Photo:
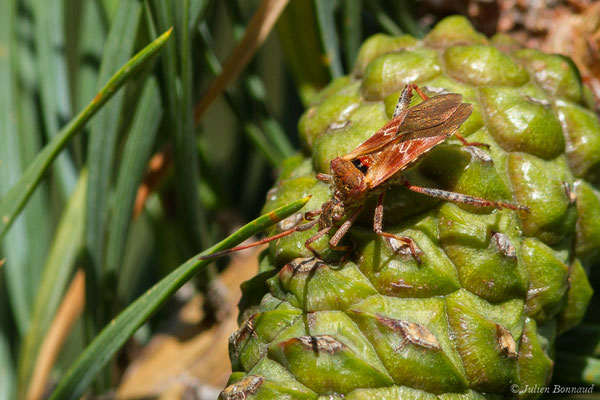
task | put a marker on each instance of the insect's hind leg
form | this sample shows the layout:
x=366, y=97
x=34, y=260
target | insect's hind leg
x=405, y=96
x=463, y=198
x=467, y=143
x=415, y=251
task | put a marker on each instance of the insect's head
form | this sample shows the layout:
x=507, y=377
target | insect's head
x=348, y=180
x=332, y=211
x=338, y=210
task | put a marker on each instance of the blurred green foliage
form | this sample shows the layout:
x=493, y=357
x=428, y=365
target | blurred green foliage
x=71, y=162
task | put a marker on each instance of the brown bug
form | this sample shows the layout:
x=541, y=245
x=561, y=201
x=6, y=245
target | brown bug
x=372, y=166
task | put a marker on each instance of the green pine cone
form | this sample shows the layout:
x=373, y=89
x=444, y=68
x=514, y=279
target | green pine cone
x=478, y=317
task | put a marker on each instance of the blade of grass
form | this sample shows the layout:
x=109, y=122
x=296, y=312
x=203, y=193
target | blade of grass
x=13, y=201
x=116, y=333
x=257, y=137
x=251, y=129
x=104, y=132
x=138, y=255
x=26, y=53
x=110, y=8
x=251, y=195
x=254, y=93
x=305, y=57
x=238, y=23
x=257, y=31
x=85, y=41
x=67, y=242
x=20, y=286
x=67, y=314
x=136, y=154
x=406, y=18
x=7, y=386
x=54, y=90
x=352, y=29
x=166, y=233
x=149, y=19
x=385, y=22
x=273, y=129
x=37, y=212
x=277, y=135
x=91, y=42
x=197, y=12
x=186, y=156
x=261, y=24
x=325, y=12
x=7, y=345
x=156, y=172
x=179, y=106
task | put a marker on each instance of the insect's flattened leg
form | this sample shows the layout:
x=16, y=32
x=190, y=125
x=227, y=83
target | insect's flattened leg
x=342, y=230
x=315, y=237
x=463, y=198
x=467, y=143
x=324, y=177
x=404, y=99
x=378, y=228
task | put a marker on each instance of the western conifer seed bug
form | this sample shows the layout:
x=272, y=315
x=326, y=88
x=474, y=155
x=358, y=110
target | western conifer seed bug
x=379, y=161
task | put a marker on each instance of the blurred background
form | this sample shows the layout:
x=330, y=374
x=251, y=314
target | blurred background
x=178, y=159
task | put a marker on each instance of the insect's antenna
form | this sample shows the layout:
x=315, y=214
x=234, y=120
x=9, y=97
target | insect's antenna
x=296, y=228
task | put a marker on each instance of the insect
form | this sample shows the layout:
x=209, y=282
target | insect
x=379, y=161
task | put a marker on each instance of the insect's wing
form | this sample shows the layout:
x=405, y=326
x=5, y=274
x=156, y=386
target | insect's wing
x=398, y=157
x=429, y=113
x=411, y=147
x=388, y=163
x=379, y=140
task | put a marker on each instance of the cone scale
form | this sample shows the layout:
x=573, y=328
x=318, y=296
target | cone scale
x=478, y=316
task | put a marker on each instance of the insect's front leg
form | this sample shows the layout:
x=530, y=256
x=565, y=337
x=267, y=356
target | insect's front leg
x=315, y=237
x=343, y=229
x=341, y=232
x=311, y=215
x=324, y=177
x=415, y=251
